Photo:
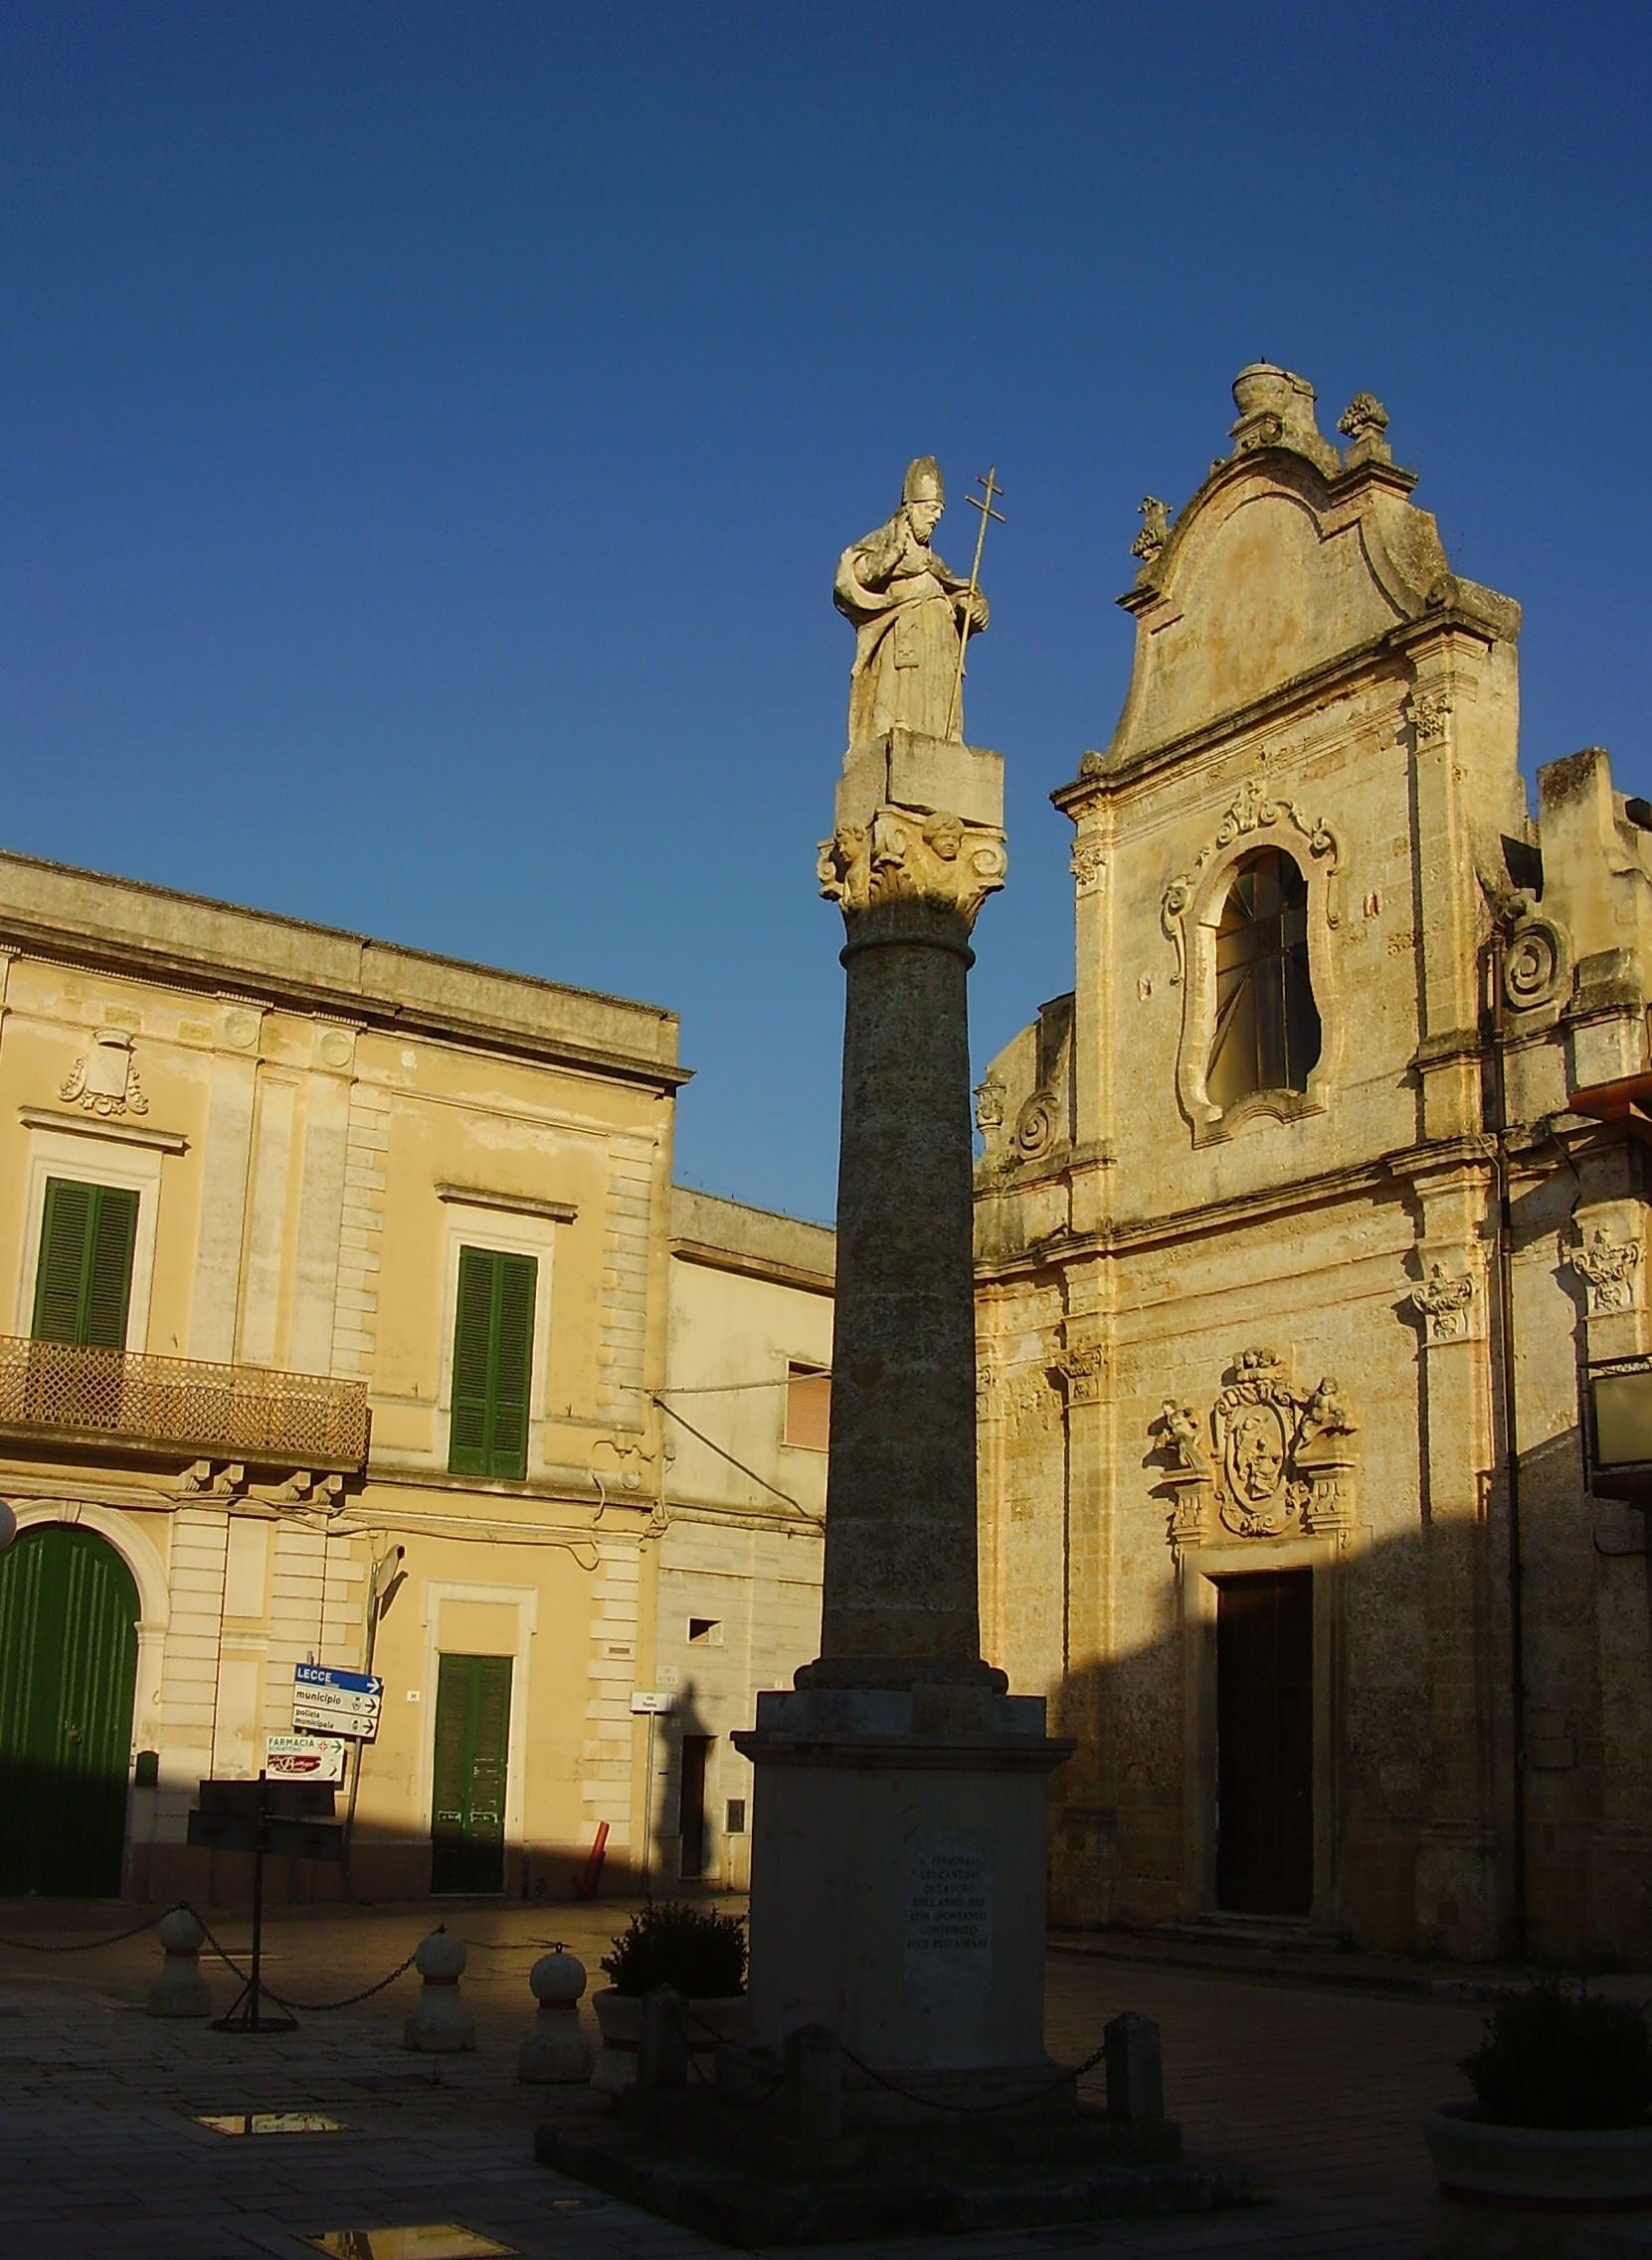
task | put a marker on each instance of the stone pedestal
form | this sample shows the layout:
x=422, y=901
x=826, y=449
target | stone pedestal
x=898, y=1876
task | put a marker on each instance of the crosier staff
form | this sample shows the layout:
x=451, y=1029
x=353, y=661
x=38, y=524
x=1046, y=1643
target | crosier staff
x=984, y=504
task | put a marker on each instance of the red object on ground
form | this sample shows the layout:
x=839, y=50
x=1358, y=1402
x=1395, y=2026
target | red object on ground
x=586, y=1883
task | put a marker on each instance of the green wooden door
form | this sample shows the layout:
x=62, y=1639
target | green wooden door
x=472, y=1738
x=67, y=1668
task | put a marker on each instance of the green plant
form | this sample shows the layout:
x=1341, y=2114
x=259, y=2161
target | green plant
x=1558, y=2059
x=700, y=1952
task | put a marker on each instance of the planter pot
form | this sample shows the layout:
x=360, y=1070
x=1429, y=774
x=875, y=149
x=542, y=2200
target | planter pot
x=1533, y=2193
x=620, y=2021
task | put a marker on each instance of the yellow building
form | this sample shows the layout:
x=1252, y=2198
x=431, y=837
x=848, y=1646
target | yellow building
x=338, y=1335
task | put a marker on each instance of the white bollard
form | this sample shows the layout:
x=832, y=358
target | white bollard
x=180, y=1989
x=439, y=2025
x=556, y=2050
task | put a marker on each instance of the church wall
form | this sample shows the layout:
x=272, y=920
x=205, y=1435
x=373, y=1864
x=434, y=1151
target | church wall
x=1280, y=1321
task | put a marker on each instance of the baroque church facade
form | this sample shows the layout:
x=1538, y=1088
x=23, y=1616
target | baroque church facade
x=1305, y=1224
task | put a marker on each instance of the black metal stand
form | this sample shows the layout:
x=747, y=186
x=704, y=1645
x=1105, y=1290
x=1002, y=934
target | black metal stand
x=249, y=2013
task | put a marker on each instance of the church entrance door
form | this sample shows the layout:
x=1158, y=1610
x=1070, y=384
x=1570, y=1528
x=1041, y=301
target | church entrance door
x=1265, y=1742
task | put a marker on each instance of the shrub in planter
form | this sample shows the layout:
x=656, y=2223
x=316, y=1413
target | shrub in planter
x=700, y=1952
x=1557, y=2059
x=1557, y=2146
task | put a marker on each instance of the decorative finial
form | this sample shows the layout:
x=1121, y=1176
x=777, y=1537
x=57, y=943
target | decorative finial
x=1155, y=531
x=1364, y=422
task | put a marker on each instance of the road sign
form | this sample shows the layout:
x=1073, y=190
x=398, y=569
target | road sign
x=325, y=1701
x=643, y=1701
x=303, y=1757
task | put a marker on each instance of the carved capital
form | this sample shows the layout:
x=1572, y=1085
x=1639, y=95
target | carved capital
x=1086, y=865
x=1443, y=1302
x=903, y=856
x=1608, y=1269
x=1430, y=715
x=1081, y=1368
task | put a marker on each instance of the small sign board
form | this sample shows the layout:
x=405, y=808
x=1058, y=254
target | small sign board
x=303, y=1757
x=330, y=1702
x=643, y=1701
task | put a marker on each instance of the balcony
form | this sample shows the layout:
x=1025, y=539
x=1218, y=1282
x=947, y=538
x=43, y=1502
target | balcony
x=56, y=1391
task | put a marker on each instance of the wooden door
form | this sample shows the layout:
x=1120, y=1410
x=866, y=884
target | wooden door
x=1265, y=1742
x=67, y=1671
x=468, y=1807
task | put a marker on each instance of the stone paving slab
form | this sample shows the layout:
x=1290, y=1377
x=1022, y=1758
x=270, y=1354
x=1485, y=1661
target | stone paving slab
x=1316, y=2090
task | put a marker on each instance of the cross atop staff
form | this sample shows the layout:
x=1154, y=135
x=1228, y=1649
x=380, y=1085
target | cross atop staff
x=982, y=502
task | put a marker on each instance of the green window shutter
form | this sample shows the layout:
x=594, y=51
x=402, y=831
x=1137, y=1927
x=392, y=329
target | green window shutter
x=83, y=1282
x=512, y=1363
x=493, y=1364
x=473, y=1331
x=108, y=1290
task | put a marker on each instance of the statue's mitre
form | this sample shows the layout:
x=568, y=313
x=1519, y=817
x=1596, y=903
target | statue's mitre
x=923, y=481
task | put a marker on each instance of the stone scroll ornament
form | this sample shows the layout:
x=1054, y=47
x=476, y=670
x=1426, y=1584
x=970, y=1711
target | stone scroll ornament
x=1608, y=1269
x=1270, y=1459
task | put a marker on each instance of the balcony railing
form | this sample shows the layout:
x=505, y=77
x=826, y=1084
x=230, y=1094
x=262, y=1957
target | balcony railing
x=243, y=1412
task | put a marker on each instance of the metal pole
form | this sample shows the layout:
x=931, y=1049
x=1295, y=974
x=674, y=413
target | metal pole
x=1511, y=1449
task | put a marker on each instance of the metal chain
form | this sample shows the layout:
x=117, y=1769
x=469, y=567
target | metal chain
x=310, y=2009
x=88, y=1945
x=930, y=2102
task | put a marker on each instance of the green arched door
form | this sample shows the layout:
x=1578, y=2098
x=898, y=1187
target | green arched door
x=68, y=1669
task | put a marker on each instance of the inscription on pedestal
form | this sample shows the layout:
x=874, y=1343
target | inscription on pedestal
x=949, y=1918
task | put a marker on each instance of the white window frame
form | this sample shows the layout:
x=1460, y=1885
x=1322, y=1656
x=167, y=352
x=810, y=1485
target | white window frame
x=100, y=1160
x=503, y=1232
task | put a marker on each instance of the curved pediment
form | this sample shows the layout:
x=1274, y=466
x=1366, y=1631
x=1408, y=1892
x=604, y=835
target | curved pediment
x=1288, y=558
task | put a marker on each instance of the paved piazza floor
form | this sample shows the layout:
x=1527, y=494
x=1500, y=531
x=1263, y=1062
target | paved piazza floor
x=1312, y=2082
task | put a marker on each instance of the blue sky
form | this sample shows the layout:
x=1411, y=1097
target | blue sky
x=430, y=433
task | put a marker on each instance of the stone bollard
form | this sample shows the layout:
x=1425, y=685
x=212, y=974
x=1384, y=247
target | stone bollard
x=1135, y=2069
x=180, y=1989
x=556, y=2050
x=814, y=2083
x=663, y=2041
x=439, y=2025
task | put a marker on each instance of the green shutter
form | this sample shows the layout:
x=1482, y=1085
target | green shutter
x=467, y=1441
x=493, y=1364
x=83, y=1283
x=512, y=1363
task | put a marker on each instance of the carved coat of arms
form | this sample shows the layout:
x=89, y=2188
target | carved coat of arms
x=1277, y=1457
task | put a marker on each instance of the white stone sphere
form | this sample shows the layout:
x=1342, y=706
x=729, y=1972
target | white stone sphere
x=181, y=1933
x=441, y=1959
x=557, y=1980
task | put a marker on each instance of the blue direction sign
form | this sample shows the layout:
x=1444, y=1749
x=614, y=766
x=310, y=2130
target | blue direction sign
x=326, y=1701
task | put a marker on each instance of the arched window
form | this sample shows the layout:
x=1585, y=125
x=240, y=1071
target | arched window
x=1267, y=1026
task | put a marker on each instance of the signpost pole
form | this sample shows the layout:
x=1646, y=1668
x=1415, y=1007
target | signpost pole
x=246, y=2014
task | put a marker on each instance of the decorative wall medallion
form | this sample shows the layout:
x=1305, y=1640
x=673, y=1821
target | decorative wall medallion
x=241, y=1029
x=1253, y=810
x=1445, y=1300
x=333, y=1047
x=103, y=1080
x=1536, y=964
x=1608, y=1269
x=1087, y=862
x=1430, y=715
x=1267, y=1457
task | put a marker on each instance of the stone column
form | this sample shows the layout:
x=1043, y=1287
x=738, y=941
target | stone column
x=918, y=846
x=900, y=1792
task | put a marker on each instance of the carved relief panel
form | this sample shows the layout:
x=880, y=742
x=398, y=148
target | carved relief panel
x=1267, y=1460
